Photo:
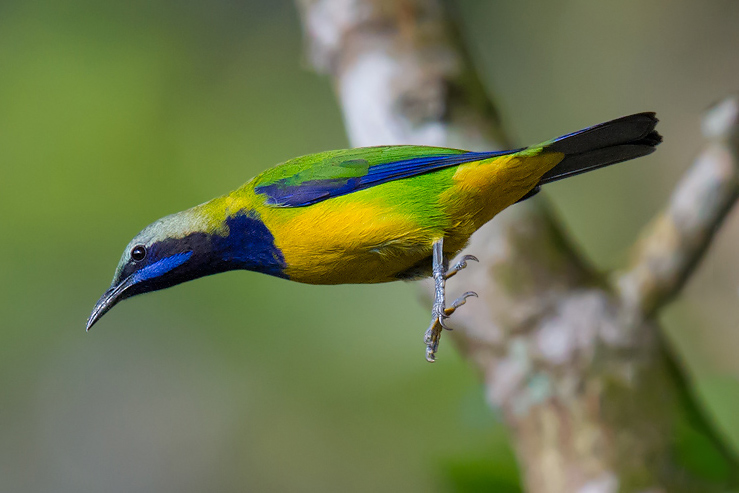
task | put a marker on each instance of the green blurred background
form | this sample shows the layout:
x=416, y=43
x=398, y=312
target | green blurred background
x=113, y=114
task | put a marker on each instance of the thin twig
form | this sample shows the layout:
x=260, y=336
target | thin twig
x=674, y=242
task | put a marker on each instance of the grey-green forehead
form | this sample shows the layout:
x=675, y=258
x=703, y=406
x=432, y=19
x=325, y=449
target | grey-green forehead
x=166, y=227
x=176, y=225
x=150, y=234
x=172, y=226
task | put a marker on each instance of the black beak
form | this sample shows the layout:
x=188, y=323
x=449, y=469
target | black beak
x=108, y=300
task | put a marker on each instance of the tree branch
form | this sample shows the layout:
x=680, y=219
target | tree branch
x=672, y=245
x=587, y=388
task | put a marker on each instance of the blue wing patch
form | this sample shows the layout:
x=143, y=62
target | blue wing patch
x=286, y=193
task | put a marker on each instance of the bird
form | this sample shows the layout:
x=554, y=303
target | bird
x=365, y=215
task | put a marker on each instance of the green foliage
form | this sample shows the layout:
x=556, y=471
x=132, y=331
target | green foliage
x=482, y=475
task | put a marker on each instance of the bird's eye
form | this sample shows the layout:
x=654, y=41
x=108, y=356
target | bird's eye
x=138, y=253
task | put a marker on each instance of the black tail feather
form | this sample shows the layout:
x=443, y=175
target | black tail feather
x=602, y=145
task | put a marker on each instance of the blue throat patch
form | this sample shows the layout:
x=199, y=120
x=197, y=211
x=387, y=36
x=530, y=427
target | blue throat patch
x=249, y=245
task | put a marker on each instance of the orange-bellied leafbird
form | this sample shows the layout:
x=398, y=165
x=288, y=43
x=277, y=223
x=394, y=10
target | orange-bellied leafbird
x=366, y=215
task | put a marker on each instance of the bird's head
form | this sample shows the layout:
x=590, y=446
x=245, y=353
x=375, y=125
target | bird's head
x=170, y=251
x=204, y=240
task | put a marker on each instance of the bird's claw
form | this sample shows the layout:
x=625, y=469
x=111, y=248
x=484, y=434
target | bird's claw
x=439, y=317
x=459, y=302
x=461, y=264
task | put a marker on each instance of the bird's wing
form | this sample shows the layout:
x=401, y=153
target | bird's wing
x=310, y=179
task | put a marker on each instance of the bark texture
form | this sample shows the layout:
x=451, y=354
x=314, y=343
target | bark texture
x=572, y=358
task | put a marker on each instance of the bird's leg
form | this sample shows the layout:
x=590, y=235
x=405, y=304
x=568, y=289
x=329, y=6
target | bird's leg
x=440, y=312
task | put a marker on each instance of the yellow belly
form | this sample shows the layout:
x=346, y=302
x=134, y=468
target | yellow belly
x=353, y=242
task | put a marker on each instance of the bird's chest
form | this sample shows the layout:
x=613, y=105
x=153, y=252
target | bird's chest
x=356, y=243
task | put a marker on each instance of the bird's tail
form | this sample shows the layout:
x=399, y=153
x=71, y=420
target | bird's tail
x=602, y=145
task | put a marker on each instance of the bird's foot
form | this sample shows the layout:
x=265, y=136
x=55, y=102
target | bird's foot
x=440, y=312
x=431, y=339
x=433, y=333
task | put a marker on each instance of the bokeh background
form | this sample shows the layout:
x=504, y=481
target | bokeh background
x=113, y=114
